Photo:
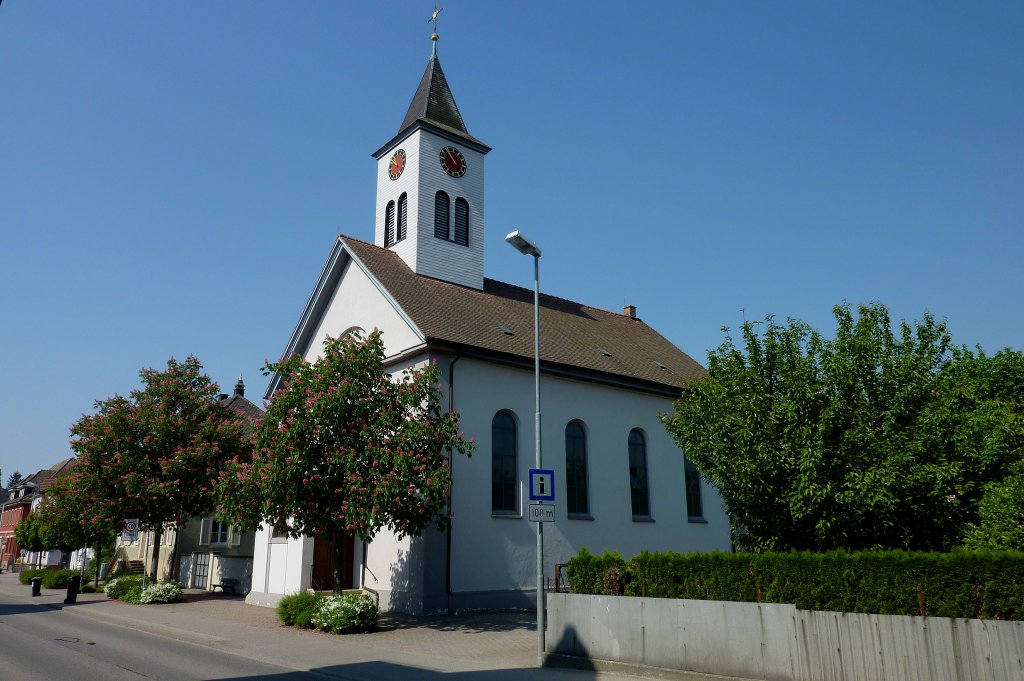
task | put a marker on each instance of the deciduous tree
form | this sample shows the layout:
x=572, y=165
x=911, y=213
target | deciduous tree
x=156, y=454
x=876, y=438
x=345, y=447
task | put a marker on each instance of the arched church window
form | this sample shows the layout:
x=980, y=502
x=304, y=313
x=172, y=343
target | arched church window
x=638, y=491
x=389, y=224
x=442, y=205
x=461, y=221
x=403, y=215
x=503, y=463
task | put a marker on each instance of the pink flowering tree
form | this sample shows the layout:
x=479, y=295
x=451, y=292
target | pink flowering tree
x=346, y=448
x=157, y=454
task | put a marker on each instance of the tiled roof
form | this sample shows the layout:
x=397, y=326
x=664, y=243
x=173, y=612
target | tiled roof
x=44, y=479
x=572, y=334
x=244, y=408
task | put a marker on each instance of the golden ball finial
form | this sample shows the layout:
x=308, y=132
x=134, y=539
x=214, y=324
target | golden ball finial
x=434, y=37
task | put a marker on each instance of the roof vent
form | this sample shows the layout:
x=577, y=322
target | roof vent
x=661, y=366
x=604, y=352
x=506, y=330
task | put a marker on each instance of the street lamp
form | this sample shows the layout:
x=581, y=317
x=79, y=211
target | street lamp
x=527, y=247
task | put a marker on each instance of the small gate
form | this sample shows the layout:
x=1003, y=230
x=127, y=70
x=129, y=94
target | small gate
x=200, y=570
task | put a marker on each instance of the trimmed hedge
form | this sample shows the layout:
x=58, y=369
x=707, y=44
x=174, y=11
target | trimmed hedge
x=53, y=578
x=971, y=584
x=58, y=579
x=25, y=576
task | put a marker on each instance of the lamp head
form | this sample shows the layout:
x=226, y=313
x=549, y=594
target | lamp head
x=522, y=244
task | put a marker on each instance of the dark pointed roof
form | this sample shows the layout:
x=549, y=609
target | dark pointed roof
x=433, y=106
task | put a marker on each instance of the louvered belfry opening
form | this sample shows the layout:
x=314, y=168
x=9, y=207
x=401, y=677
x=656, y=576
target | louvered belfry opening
x=461, y=221
x=389, y=224
x=442, y=206
x=403, y=216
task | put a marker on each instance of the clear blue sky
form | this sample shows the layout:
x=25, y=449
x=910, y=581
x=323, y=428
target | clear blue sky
x=172, y=174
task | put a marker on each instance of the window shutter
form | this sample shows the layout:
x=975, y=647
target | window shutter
x=441, y=207
x=234, y=536
x=204, y=532
x=403, y=215
x=389, y=224
x=461, y=221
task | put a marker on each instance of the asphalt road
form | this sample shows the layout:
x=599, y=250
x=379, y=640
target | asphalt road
x=38, y=643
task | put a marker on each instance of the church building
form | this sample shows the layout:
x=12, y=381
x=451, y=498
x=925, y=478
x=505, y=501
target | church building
x=621, y=483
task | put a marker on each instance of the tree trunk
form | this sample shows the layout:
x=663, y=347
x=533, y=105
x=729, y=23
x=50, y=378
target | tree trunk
x=99, y=557
x=157, y=534
x=174, y=552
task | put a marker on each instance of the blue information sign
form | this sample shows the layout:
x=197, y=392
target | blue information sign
x=542, y=484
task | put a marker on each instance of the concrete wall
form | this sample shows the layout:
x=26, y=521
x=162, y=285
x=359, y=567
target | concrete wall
x=779, y=642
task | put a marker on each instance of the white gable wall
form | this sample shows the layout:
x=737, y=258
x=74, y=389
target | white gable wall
x=357, y=302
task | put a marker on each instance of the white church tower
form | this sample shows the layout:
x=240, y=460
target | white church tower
x=430, y=187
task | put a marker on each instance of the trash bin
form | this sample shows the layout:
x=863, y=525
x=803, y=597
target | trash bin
x=74, y=584
x=37, y=584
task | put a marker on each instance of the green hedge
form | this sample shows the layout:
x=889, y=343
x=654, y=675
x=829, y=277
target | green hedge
x=973, y=584
x=53, y=578
x=25, y=576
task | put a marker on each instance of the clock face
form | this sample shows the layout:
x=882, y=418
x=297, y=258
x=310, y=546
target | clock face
x=453, y=162
x=397, y=164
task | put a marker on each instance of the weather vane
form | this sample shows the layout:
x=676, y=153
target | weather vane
x=433, y=17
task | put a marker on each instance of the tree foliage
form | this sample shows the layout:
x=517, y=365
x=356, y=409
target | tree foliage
x=157, y=454
x=28, y=534
x=874, y=439
x=346, y=448
x=13, y=479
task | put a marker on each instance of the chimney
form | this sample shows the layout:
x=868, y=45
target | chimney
x=629, y=311
x=240, y=388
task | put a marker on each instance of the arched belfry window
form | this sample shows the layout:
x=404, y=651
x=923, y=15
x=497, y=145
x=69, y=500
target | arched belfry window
x=461, y=221
x=403, y=215
x=389, y=224
x=442, y=207
x=503, y=463
x=638, y=491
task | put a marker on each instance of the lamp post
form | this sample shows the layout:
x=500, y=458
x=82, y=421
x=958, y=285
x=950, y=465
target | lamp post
x=527, y=247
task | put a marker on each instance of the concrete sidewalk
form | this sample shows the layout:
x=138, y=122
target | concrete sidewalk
x=492, y=647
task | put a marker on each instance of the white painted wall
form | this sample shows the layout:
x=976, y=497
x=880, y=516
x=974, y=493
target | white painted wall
x=497, y=552
x=357, y=302
x=422, y=178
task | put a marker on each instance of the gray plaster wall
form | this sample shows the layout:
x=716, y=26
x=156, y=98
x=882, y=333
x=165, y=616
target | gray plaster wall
x=779, y=642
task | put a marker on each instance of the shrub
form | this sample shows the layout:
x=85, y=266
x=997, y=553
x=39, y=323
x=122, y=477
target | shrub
x=162, y=592
x=345, y=614
x=297, y=609
x=58, y=579
x=586, y=572
x=26, y=575
x=88, y=589
x=127, y=588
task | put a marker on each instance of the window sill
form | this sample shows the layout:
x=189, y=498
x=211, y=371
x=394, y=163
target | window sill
x=507, y=516
x=580, y=516
x=643, y=519
x=699, y=520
